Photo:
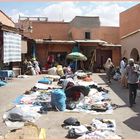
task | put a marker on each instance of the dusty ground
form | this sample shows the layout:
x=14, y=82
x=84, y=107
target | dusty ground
x=127, y=119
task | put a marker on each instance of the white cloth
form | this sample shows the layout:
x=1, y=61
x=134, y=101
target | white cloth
x=11, y=47
x=52, y=71
x=66, y=81
x=122, y=66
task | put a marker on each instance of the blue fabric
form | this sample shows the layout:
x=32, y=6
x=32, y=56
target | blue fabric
x=45, y=81
x=72, y=65
x=105, y=95
x=17, y=100
x=2, y=83
x=58, y=99
x=6, y=73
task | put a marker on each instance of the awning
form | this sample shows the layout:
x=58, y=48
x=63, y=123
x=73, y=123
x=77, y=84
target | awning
x=11, y=47
x=54, y=41
x=110, y=45
x=90, y=41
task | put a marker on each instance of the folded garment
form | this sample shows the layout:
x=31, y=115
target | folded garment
x=71, y=121
x=15, y=117
x=77, y=131
x=45, y=81
x=99, y=108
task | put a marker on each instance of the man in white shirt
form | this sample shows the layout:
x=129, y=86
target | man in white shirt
x=122, y=71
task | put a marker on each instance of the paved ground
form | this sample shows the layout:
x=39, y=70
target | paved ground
x=127, y=119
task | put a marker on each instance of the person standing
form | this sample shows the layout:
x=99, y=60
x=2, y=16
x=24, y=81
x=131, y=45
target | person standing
x=36, y=67
x=132, y=73
x=123, y=65
x=24, y=66
x=109, y=68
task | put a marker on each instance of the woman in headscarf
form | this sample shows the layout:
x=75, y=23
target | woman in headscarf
x=36, y=66
x=108, y=68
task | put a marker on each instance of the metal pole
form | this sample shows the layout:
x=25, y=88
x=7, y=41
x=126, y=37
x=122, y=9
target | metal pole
x=76, y=65
x=33, y=51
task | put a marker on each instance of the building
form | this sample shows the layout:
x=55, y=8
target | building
x=12, y=44
x=130, y=32
x=84, y=33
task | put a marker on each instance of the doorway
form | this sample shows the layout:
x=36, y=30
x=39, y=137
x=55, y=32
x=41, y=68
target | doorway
x=135, y=54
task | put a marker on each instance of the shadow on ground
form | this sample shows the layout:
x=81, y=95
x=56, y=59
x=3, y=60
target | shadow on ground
x=122, y=93
x=133, y=122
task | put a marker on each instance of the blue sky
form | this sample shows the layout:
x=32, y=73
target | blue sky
x=57, y=11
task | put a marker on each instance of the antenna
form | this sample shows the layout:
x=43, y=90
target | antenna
x=62, y=15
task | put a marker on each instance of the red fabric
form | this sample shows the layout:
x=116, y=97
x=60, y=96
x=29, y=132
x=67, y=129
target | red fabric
x=50, y=59
x=47, y=66
x=76, y=96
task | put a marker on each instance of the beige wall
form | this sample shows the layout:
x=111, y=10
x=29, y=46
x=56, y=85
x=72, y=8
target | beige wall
x=5, y=20
x=129, y=43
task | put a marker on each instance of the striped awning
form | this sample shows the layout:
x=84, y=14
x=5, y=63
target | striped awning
x=11, y=47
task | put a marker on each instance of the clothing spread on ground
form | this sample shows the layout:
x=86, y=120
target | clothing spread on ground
x=68, y=94
x=98, y=129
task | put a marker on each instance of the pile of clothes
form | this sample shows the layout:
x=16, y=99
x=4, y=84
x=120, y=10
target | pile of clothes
x=98, y=129
x=69, y=95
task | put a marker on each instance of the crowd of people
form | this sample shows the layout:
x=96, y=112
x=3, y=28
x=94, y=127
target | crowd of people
x=129, y=72
x=31, y=67
x=130, y=76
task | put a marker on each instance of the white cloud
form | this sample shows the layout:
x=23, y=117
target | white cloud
x=61, y=11
x=15, y=14
x=107, y=11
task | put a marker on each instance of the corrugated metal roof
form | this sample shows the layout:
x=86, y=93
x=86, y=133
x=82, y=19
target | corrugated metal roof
x=91, y=41
x=100, y=42
x=53, y=41
x=111, y=45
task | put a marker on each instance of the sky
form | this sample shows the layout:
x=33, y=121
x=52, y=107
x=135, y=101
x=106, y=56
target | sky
x=66, y=10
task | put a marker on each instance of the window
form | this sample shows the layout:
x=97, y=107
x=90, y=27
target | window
x=87, y=35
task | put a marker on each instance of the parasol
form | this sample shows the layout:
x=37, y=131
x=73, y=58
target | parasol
x=76, y=56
